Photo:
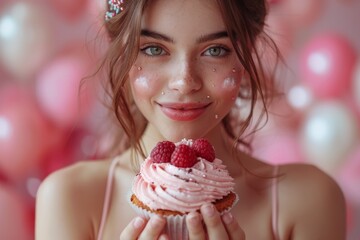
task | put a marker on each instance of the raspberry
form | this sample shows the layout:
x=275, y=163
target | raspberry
x=161, y=153
x=204, y=149
x=183, y=156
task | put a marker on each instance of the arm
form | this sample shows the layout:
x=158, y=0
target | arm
x=316, y=204
x=62, y=210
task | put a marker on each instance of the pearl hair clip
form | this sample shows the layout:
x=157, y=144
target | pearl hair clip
x=114, y=8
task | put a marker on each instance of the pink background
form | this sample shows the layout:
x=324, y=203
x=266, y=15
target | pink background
x=42, y=128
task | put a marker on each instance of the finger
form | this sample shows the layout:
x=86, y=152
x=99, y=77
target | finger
x=232, y=227
x=195, y=227
x=163, y=237
x=153, y=228
x=133, y=229
x=213, y=222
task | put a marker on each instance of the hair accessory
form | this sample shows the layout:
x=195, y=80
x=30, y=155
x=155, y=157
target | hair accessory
x=114, y=7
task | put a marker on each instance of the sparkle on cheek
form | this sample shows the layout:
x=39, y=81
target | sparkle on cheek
x=229, y=84
x=142, y=83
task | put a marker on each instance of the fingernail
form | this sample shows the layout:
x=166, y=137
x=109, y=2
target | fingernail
x=227, y=218
x=139, y=222
x=209, y=210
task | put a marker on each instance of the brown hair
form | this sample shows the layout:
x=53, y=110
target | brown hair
x=245, y=21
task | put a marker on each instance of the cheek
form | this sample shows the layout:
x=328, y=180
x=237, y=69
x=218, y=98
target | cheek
x=228, y=86
x=143, y=86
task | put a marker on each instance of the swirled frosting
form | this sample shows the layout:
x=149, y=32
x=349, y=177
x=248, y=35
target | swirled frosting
x=165, y=186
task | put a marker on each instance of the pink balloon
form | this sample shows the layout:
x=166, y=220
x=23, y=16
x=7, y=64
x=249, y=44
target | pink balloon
x=24, y=135
x=25, y=38
x=327, y=64
x=356, y=87
x=58, y=92
x=70, y=9
x=302, y=13
x=274, y=2
x=14, y=216
x=349, y=176
x=81, y=145
x=278, y=148
x=280, y=31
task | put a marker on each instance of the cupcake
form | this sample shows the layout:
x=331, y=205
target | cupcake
x=178, y=178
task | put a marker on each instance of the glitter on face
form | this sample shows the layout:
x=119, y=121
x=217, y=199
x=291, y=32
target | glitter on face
x=229, y=84
x=142, y=82
x=216, y=116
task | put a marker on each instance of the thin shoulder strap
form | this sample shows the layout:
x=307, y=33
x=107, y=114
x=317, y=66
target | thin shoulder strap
x=107, y=198
x=275, y=204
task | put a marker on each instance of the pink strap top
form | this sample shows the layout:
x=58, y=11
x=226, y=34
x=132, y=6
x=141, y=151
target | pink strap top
x=107, y=198
x=108, y=191
x=275, y=204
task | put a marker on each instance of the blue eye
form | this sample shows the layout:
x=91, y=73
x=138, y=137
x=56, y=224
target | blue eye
x=153, y=51
x=216, y=51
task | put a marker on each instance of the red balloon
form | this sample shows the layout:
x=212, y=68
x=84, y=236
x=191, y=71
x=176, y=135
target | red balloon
x=327, y=65
x=14, y=216
x=24, y=133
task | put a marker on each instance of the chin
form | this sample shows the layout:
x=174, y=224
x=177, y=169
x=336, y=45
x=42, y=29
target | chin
x=178, y=134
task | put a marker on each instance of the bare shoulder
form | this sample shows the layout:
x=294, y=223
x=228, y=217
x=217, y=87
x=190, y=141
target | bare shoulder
x=307, y=176
x=70, y=199
x=311, y=200
x=78, y=175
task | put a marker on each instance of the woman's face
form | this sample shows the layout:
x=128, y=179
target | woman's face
x=186, y=77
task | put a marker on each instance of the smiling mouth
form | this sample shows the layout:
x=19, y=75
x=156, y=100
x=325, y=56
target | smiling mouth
x=183, y=111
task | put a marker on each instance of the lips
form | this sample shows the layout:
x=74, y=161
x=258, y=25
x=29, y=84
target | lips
x=183, y=111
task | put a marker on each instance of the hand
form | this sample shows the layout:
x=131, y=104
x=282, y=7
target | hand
x=143, y=229
x=216, y=226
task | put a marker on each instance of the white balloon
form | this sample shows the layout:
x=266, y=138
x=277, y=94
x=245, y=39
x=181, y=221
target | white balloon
x=25, y=38
x=300, y=97
x=328, y=134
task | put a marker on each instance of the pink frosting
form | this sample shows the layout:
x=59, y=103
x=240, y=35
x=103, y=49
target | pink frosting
x=165, y=186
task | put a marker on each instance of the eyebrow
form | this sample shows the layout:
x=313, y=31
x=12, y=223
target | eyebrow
x=201, y=39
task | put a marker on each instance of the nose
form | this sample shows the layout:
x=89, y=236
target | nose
x=184, y=78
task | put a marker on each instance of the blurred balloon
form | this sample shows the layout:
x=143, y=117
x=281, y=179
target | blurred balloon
x=280, y=31
x=24, y=133
x=302, y=13
x=80, y=145
x=60, y=92
x=25, y=38
x=356, y=86
x=97, y=9
x=300, y=97
x=14, y=216
x=349, y=176
x=279, y=147
x=274, y=2
x=70, y=9
x=328, y=134
x=327, y=64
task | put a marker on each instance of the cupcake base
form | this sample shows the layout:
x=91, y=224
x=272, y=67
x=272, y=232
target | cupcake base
x=221, y=205
x=176, y=225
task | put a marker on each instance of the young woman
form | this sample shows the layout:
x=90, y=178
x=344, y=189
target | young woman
x=176, y=69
